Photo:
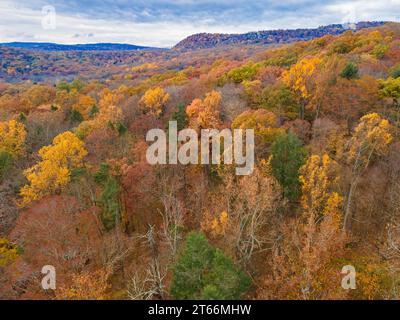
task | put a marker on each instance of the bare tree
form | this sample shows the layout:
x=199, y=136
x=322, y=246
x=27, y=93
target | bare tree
x=251, y=203
x=150, y=283
x=172, y=222
x=148, y=286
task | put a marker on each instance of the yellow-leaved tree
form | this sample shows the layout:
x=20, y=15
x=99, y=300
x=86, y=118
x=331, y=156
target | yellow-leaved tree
x=299, y=77
x=154, y=101
x=304, y=261
x=12, y=138
x=8, y=252
x=54, y=170
x=318, y=179
x=371, y=138
x=265, y=123
x=107, y=116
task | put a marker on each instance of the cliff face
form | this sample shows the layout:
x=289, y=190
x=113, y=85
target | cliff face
x=209, y=40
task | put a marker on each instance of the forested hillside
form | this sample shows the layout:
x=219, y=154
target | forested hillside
x=77, y=192
x=268, y=37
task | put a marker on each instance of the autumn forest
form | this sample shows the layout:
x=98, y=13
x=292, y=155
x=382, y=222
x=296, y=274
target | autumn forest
x=77, y=191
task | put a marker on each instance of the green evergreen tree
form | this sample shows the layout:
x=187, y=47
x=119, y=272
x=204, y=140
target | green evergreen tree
x=204, y=272
x=109, y=198
x=75, y=116
x=395, y=71
x=287, y=156
x=180, y=117
x=350, y=71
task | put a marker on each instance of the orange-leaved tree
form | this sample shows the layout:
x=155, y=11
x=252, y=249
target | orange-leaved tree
x=205, y=113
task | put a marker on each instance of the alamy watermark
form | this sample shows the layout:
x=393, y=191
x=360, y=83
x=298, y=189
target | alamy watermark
x=49, y=280
x=349, y=279
x=209, y=150
x=49, y=17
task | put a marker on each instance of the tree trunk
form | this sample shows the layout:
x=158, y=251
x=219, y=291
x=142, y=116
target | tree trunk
x=347, y=213
x=302, y=110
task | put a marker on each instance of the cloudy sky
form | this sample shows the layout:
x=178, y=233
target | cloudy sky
x=163, y=23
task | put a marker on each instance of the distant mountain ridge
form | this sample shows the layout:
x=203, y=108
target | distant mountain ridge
x=210, y=40
x=47, y=46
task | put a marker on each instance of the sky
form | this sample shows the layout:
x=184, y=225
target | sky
x=163, y=23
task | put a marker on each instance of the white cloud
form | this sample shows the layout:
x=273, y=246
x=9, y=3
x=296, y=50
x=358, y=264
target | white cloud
x=22, y=23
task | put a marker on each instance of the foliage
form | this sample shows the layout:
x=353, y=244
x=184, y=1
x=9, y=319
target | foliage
x=265, y=124
x=280, y=100
x=144, y=67
x=216, y=226
x=109, y=197
x=203, y=272
x=244, y=72
x=345, y=44
x=108, y=116
x=114, y=225
x=395, y=71
x=76, y=84
x=318, y=180
x=298, y=76
x=53, y=171
x=12, y=138
x=287, y=157
x=121, y=129
x=374, y=278
x=75, y=116
x=252, y=89
x=86, y=286
x=282, y=61
x=380, y=50
x=205, y=113
x=85, y=106
x=180, y=117
x=8, y=252
x=5, y=163
x=154, y=101
x=390, y=88
x=300, y=79
x=371, y=138
x=350, y=71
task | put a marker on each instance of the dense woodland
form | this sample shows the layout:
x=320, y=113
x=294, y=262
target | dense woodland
x=77, y=192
